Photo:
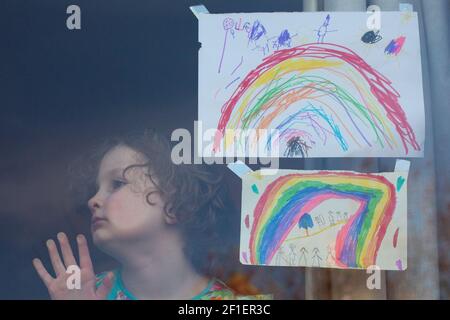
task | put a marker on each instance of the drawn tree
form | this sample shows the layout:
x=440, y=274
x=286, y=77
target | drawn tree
x=306, y=222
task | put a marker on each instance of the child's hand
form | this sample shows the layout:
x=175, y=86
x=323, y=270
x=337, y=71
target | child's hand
x=57, y=287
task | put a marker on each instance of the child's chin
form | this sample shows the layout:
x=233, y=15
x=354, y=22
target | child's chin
x=100, y=238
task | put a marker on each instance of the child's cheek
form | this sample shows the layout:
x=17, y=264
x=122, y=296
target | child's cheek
x=125, y=208
x=116, y=208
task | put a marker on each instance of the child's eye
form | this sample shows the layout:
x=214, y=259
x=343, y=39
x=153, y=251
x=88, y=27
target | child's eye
x=116, y=184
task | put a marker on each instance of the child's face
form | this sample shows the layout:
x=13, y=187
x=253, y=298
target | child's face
x=120, y=211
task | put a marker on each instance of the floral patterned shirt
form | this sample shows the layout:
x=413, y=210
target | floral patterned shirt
x=215, y=290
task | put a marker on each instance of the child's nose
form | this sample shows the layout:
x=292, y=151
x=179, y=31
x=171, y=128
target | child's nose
x=94, y=204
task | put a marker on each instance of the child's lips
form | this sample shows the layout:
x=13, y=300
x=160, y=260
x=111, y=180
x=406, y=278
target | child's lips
x=97, y=222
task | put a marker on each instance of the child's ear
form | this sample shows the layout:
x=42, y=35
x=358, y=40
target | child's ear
x=170, y=217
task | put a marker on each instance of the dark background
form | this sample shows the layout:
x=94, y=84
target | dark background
x=132, y=65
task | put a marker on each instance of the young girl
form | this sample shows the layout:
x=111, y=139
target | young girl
x=155, y=218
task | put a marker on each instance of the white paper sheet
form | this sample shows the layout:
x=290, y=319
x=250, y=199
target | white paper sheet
x=321, y=85
x=331, y=219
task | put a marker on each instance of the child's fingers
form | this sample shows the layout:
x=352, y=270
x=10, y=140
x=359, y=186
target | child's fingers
x=58, y=266
x=105, y=287
x=83, y=250
x=66, y=250
x=42, y=272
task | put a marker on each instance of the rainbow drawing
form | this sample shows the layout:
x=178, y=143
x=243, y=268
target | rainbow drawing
x=288, y=197
x=317, y=94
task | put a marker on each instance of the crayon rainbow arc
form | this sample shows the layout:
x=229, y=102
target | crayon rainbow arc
x=318, y=93
x=289, y=197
